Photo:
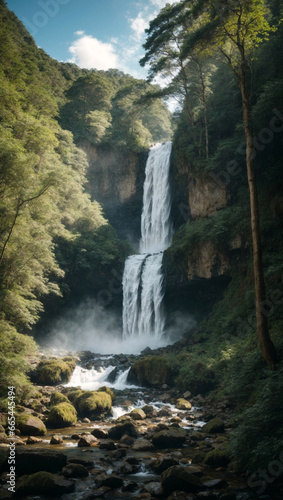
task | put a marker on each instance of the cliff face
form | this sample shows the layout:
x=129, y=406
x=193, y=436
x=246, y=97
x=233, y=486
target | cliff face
x=197, y=271
x=116, y=181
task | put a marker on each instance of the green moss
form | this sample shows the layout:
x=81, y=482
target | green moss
x=70, y=362
x=57, y=397
x=151, y=371
x=108, y=391
x=74, y=394
x=62, y=415
x=93, y=404
x=217, y=458
x=30, y=425
x=53, y=371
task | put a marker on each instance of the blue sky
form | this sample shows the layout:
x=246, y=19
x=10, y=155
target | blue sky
x=97, y=34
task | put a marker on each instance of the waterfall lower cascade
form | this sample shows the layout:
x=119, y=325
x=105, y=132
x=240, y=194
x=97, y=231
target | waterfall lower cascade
x=143, y=315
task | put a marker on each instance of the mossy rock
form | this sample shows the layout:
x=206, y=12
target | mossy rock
x=92, y=404
x=44, y=483
x=57, y=398
x=70, y=362
x=217, y=458
x=108, y=390
x=151, y=372
x=214, y=426
x=183, y=404
x=62, y=415
x=30, y=425
x=74, y=394
x=53, y=371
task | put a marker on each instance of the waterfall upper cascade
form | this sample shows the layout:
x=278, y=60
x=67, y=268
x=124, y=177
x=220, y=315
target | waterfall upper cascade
x=143, y=293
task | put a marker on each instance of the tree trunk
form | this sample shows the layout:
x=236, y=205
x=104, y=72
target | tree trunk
x=267, y=347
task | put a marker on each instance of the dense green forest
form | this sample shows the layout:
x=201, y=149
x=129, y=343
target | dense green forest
x=52, y=232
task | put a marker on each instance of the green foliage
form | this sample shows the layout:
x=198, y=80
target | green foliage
x=15, y=349
x=53, y=371
x=196, y=373
x=62, y=415
x=257, y=439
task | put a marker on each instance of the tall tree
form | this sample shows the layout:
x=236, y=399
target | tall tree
x=234, y=28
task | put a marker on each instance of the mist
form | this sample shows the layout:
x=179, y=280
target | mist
x=90, y=327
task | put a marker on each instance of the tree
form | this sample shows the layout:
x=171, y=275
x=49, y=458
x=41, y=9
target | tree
x=188, y=78
x=234, y=28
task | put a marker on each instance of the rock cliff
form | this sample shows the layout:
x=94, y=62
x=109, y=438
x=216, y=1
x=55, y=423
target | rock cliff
x=116, y=180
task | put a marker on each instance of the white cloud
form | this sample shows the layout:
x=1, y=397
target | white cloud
x=79, y=33
x=139, y=24
x=89, y=52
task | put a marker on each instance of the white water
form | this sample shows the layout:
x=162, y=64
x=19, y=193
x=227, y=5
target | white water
x=91, y=380
x=143, y=316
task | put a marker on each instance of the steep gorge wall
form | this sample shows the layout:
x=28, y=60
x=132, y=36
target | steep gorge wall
x=115, y=179
x=197, y=275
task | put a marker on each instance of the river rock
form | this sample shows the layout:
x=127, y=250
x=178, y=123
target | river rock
x=217, y=458
x=143, y=445
x=128, y=440
x=99, y=433
x=119, y=430
x=169, y=438
x=30, y=461
x=30, y=426
x=107, y=444
x=183, y=404
x=99, y=493
x=154, y=488
x=179, y=478
x=86, y=441
x=112, y=481
x=44, y=483
x=74, y=470
x=214, y=426
x=33, y=440
x=163, y=463
x=138, y=414
x=56, y=439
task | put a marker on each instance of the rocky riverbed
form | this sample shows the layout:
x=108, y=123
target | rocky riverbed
x=161, y=445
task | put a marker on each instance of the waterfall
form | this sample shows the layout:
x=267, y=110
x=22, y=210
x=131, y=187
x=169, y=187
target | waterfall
x=143, y=315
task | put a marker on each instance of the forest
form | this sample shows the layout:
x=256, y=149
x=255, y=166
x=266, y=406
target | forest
x=222, y=64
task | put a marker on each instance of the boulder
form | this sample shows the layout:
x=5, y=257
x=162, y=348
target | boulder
x=151, y=371
x=75, y=470
x=30, y=461
x=99, y=433
x=30, y=425
x=108, y=391
x=112, y=481
x=44, y=483
x=143, y=445
x=87, y=441
x=154, y=488
x=107, y=444
x=169, y=438
x=179, y=478
x=54, y=371
x=127, y=427
x=57, y=397
x=214, y=426
x=33, y=440
x=56, y=439
x=62, y=415
x=138, y=414
x=161, y=464
x=183, y=404
x=217, y=458
x=93, y=404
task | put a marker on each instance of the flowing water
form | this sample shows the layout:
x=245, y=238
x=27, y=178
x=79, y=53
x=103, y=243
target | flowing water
x=143, y=314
